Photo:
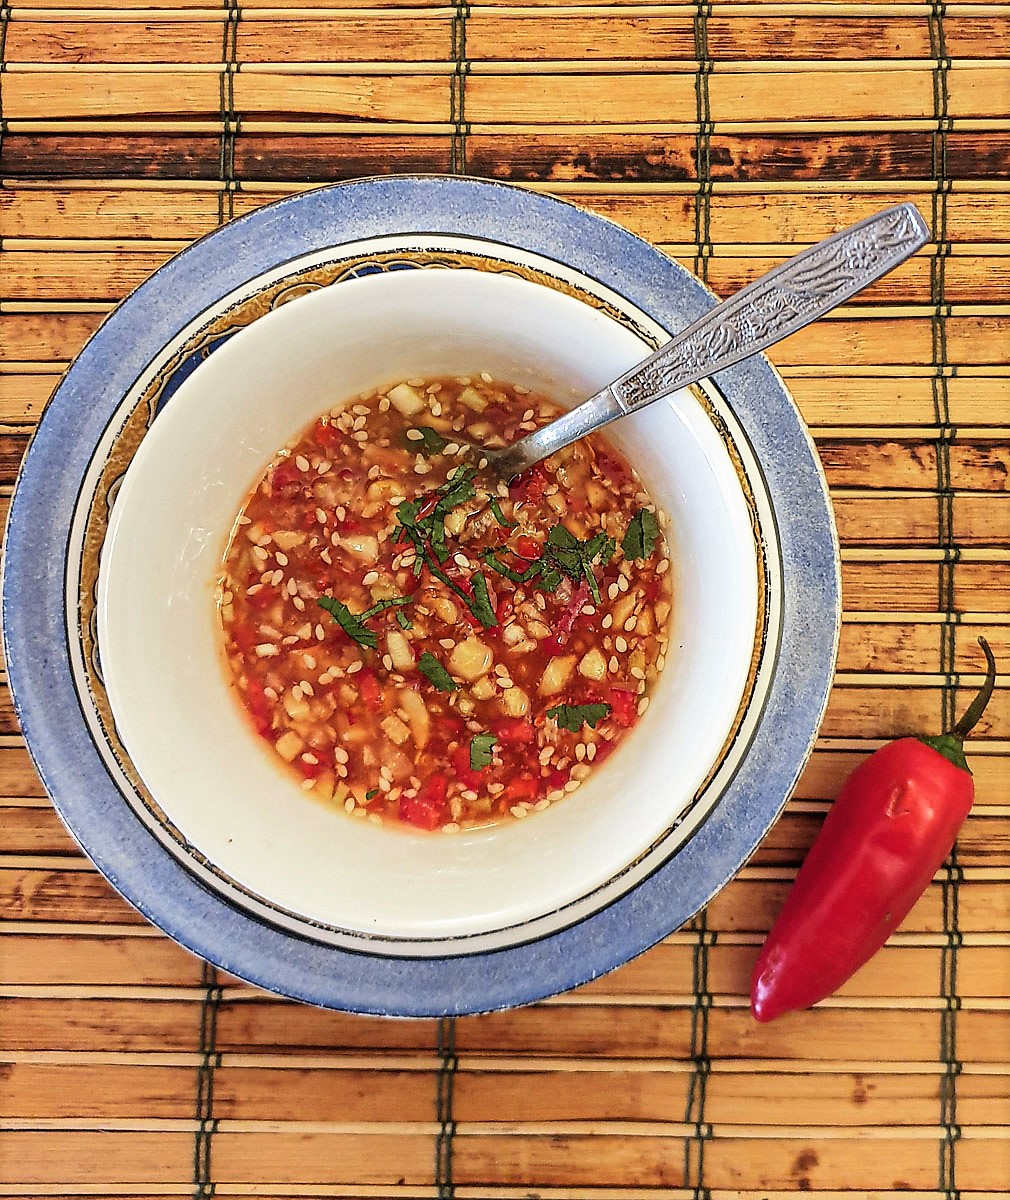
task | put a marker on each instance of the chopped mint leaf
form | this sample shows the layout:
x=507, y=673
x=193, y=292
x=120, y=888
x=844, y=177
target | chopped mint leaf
x=481, y=745
x=348, y=622
x=435, y=673
x=640, y=539
x=495, y=507
x=480, y=605
x=573, y=716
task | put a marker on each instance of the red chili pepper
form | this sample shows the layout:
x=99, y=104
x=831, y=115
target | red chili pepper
x=426, y=810
x=892, y=826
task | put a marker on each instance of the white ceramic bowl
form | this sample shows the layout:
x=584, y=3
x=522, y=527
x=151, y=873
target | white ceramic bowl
x=245, y=818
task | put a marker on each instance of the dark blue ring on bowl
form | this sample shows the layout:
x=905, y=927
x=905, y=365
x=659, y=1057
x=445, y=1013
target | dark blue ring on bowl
x=35, y=613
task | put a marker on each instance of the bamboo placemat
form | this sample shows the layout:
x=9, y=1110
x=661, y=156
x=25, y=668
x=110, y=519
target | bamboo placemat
x=731, y=134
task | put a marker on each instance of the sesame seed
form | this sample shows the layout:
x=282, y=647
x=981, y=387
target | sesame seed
x=663, y=566
x=310, y=758
x=620, y=645
x=292, y=587
x=324, y=467
x=661, y=662
x=542, y=804
x=270, y=693
x=384, y=404
x=415, y=435
x=266, y=650
x=518, y=811
x=282, y=558
x=613, y=592
x=546, y=755
x=580, y=751
x=387, y=662
x=349, y=804
x=369, y=578
x=259, y=554
x=452, y=827
x=374, y=818
x=630, y=624
x=591, y=751
x=355, y=667
x=557, y=794
x=302, y=463
x=340, y=755
x=320, y=633
x=495, y=789
x=307, y=688
x=607, y=621
x=643, y=704
x=572, y=785
x=308, y=785
x=528, y=415
x=298, y=602
x=360, y=435
x=622, y=582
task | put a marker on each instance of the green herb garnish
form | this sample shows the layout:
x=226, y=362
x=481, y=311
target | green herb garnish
x=481, y=745
x=435, y=673
x=640, y=539
x=495, y=507
x=371, y=793
x=573, y=716
x=430, y=442
x=348, y=622
x=427, y=535
x=480, y=605
x=403, y=620
x=563, y=554
x=353, y=624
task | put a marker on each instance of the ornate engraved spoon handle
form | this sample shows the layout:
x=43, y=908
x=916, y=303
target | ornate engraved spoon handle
x=767, y=310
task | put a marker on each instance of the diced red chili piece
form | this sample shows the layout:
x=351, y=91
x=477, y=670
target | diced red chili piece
x=515, y=731
x=461, y=766
x=259, y=706
x=565, y=622
x=527, y=547
x=328, y=436
x=531, y=485
x=426, y=810
x=286, y=480
x=623, y=707
x=524, y=788
x=369, y=689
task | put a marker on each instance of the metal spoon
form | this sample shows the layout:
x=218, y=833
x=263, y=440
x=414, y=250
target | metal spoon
x=779, y=303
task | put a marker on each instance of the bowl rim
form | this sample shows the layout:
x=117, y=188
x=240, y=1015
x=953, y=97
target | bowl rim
x=35, y=605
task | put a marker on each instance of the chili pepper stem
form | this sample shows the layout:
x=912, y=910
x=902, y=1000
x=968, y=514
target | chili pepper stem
x=978, y=705
x=951, y=743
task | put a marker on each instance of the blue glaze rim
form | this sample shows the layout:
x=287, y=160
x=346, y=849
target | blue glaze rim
x=34, y=604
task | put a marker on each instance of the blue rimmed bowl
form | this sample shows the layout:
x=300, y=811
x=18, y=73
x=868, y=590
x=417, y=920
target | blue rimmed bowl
x=86, y=732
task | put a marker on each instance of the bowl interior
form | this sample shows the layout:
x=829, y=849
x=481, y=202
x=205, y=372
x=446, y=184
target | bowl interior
x=159, y=642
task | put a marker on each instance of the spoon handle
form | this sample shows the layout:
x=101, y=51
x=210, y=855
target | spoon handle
x=777, y=304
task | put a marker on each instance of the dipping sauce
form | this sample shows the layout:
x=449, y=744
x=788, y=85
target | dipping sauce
x=423, y=652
